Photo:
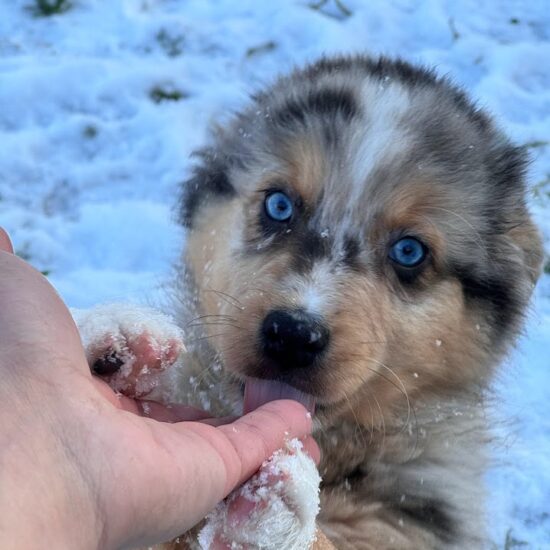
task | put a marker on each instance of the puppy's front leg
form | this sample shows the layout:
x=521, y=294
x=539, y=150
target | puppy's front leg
x=273, y=510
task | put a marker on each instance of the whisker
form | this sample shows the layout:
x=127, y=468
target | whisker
x=371, y=419
x=207, y=337
x=400, y=382
x=212, y=315
x=215, y=323
x=357, y=424
x=478, y=240
x=205, y=372
x=411, y=411
x=231, y=300
x=383, y=423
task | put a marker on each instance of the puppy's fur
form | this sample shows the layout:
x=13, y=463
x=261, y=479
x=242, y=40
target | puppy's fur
x=370, y=150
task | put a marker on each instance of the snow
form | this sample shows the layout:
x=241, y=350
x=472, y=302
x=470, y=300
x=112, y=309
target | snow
x=94, y=145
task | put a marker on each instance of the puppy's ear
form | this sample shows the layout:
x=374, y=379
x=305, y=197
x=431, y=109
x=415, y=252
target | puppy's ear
x=508, y=165
x=210, y=181
x=526, y=238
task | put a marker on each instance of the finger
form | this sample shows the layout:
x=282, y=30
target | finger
x=196, y=459
x=311, y=448
x=151, y=409
x=36, y=328
x=257, y=435
x=171, y=413
x=246, y=443
x=221, y=421
x=5, y=242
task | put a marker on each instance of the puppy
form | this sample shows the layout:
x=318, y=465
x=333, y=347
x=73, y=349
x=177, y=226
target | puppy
x=359, y=241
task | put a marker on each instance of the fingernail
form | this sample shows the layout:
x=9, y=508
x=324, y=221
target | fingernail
x=5, y=241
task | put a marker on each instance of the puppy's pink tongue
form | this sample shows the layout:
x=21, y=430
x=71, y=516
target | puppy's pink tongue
x=257, y=392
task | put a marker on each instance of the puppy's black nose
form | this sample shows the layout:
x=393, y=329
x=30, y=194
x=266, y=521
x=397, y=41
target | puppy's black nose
x=293, y=338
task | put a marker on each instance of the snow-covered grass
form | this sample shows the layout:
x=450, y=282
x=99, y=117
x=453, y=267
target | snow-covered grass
x=101, y=104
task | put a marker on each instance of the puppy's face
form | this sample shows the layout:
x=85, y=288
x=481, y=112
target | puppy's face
x=360, y=234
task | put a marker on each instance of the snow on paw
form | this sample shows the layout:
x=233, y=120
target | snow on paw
x=274, y=509
x=129, y=346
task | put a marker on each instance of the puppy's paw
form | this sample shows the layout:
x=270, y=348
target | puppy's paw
x=274, y=509
x=129, y=346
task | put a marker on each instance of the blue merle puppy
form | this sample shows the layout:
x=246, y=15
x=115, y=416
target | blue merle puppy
x=359, y=241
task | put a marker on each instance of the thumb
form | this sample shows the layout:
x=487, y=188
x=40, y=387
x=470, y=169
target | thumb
x=5, y=242
x=172, y=482
x=33, y=313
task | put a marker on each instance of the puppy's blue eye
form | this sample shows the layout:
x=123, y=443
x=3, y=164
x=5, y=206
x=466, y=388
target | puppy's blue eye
x=278, y=206
x=408, y=252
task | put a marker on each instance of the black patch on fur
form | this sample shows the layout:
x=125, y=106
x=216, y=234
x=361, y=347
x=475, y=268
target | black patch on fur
x=338, y=101
x=352, y=250
x=357, y=475
x=325, y=102
x=382, y=68
x=209, y=180
x=310, y=247
x=496, y=290
x=507, y=167
x=431, y=514
x=411, y=76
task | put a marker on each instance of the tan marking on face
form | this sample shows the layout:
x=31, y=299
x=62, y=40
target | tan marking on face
x=417, y=209
x=238, y=286
x=385, y=349
x=307, y=165
x=431, y=339
x=208, y=251
x=412, y=199
x=434, y=345
x=359, y=325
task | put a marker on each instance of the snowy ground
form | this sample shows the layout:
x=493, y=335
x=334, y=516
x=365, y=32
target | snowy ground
x=100, y=107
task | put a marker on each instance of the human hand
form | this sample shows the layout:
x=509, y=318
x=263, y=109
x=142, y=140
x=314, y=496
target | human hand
x=79, y=468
